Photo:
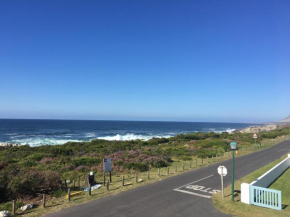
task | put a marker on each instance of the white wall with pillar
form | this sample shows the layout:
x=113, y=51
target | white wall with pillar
x=265, y=180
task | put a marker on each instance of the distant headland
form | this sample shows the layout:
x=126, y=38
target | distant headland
x=285, y=120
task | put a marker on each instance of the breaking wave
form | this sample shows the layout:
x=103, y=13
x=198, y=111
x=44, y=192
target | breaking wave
x=59, y=139
x=43, y=141
x=227, y=130
x=128, y=137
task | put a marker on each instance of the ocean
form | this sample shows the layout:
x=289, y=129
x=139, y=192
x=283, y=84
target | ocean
x=55, y=132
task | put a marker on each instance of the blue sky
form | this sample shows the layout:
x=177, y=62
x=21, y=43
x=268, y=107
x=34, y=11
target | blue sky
x=225, y=61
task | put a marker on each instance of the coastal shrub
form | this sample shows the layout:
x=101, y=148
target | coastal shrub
x=244, y=144
x=3, y=165
x=58, y=193
x=270, y=135
x=81, y=168
x=118, y=163
x=4, y=194
x=156, y=141
x=54, y=167
x=67, y=168
x=211, y=143
x=177, y=151
x=213, y=135
x=194, y=136
x=136, y=166
x=224, y=135
x=206, y=153
x=29, y=163
x=46, y=160
x=220, y=150
x=159, y=163
x=86, y=161
x=33, y=182
x=186, y=158
x=36, y=156
x=55, y=151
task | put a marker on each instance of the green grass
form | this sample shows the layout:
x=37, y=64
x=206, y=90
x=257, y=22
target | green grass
x=237, y=208
x=283, y=184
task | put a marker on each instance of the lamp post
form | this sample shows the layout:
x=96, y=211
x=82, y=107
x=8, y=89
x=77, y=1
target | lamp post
x=234, y=146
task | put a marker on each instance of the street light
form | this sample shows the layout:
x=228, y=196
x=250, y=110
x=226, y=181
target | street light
x=234, y=146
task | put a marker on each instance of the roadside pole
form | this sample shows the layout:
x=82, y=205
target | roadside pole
x=234, y=146
x=233, y=174
x=222, y=180
x=255, y=136
x=222, y=170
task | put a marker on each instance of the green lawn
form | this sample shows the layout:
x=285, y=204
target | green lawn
x=238, y=208
x=283, y=184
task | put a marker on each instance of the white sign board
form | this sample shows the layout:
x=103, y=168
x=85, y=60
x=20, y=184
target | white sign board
x=255, y=136
x=222, y=170
x=107, y=165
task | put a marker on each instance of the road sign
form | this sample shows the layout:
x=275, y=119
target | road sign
x=255, y=136
x=222, y=170
x=107, y=165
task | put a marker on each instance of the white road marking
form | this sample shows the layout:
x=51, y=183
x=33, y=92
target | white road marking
x=196, y=194
x=197, y=188
x=194, y=182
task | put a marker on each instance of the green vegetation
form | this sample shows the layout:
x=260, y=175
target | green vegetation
x=238, y=208
x=27, y=172
x=282, y=184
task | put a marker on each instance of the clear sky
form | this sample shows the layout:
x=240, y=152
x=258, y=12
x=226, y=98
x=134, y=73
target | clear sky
x=221, y=60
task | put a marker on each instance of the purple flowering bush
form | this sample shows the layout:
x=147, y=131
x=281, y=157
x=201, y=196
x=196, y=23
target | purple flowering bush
x=136, y=160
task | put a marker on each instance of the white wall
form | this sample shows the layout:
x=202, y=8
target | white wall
x=265, y=180
x=270, y=176
x=245, y=193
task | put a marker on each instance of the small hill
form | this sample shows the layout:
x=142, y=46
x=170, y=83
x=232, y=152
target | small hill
x=285, y=120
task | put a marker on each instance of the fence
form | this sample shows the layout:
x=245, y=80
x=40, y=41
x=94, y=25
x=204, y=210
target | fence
x=257, y=192
x=265, y=197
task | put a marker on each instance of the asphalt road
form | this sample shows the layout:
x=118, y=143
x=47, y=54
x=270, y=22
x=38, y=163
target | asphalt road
x=184, y=195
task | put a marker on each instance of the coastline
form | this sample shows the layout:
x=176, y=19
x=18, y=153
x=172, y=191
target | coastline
x=128, y=135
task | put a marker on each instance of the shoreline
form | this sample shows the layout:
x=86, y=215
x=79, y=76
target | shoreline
x=117, y=137
x=135, y=137
x=35, y=142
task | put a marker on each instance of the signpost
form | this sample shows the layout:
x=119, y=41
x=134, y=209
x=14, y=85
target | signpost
x=107, y=167
x=234, y=146
x=255, y=136
x=222, y=170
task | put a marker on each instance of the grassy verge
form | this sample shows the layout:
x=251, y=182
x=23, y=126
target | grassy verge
x=238, y=208
x=54, y=204
x=283, y=184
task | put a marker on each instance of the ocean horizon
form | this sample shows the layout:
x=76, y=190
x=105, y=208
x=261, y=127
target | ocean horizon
x=37, y=132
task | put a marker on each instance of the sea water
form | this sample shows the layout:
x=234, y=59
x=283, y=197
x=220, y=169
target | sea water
x=54, y=132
